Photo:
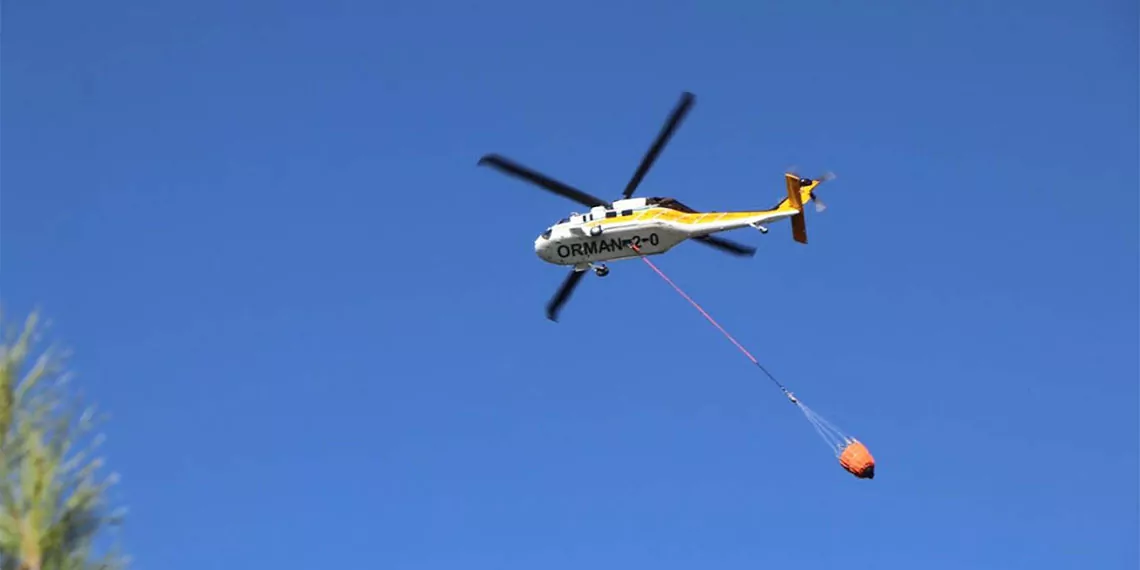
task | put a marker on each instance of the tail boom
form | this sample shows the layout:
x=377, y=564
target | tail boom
x=694, y=224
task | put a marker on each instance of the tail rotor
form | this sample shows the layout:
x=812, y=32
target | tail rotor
x=819, y=205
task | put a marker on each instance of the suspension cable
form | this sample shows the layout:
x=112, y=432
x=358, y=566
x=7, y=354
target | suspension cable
x=835, y=438
x=713, y=321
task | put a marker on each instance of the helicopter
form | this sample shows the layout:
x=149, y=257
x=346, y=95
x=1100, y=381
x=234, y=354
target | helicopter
x=631, y=227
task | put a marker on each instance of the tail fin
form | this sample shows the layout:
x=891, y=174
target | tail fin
x=799, y=193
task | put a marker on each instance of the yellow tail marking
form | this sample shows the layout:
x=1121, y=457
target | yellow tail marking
x=797, y=195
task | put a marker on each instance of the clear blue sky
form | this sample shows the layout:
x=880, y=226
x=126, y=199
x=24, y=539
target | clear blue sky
x=319, y=325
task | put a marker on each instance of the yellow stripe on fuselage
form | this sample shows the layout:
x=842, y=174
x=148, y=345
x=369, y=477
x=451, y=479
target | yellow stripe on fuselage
x=686, y=218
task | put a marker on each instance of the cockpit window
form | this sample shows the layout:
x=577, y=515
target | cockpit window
x=546, y=234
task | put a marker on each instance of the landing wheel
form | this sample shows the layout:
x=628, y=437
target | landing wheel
x=596, y=231
x=601, y=270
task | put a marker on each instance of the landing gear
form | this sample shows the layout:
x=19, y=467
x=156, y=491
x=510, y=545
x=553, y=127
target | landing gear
x=600, y=269
x=596, y=231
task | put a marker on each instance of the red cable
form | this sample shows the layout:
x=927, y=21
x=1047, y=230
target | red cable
x=710, y=319
x=822, y=427
x=703, y=312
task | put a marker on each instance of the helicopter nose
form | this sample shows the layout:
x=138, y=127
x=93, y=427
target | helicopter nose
x=542, y=248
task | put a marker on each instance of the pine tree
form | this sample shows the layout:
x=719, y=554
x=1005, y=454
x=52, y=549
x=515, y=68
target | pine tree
x=54, y=512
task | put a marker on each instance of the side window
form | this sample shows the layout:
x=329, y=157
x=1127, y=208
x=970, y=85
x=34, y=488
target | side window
x=611, y=214
x=627, y=212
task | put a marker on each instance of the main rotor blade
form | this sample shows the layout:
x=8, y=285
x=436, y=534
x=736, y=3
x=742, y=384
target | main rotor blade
x=663, y=137
x=563, y=294
x=514, y=169
x=727, y=245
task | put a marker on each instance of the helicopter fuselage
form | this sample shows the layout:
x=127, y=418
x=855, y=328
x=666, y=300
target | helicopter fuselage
x=607, y=233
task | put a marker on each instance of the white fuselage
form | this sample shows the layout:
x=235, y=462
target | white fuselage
x=614, y=243
x=654, y=230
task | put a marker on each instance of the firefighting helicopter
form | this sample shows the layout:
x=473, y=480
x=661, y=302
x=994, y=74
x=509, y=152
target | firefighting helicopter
x=630, y=227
